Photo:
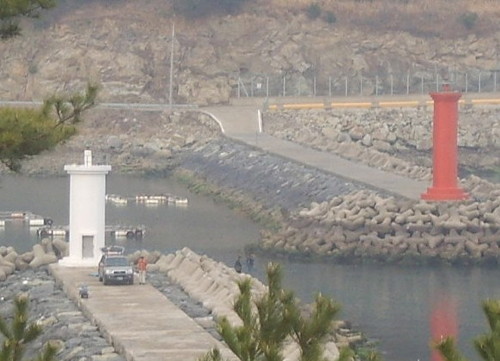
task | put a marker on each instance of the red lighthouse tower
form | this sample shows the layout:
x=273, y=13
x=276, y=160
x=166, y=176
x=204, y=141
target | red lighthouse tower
x=444, y=156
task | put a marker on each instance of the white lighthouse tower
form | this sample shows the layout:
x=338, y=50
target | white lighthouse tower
x=87, y=204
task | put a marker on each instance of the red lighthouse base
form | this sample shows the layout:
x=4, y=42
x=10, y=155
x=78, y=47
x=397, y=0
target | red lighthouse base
x=443, y=194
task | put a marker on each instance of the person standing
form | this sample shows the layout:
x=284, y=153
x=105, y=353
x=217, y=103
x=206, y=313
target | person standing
x=250, y=262
x=237, y=265
x=142, y=264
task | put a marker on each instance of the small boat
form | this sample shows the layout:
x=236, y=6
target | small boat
x=181, y=201
x=128, y=233
x=152, y=201
x=36, y=222
x=115, y=199
x=49, y=232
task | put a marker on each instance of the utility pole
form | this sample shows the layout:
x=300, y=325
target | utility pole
x=171, y=85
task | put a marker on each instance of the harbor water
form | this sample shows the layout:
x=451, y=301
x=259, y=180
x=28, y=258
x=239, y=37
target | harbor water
x=391, y=305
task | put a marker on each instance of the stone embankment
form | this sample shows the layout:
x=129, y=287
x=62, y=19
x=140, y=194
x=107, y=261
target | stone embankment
x=321, y=215
x=130, y=141
x=203, y=281
x=398, y=141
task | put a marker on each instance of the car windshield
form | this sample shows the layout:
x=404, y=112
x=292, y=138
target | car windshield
x=116, y=261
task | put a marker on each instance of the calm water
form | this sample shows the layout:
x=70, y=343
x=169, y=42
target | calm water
x=390, y=304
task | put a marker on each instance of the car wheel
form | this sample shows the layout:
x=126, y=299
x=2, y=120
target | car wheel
x=131, y=282
x=105, y=281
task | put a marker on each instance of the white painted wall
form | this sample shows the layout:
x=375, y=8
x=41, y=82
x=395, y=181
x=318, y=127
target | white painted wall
x=87, y=206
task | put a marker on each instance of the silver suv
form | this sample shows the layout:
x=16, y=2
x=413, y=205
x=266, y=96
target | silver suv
x=114, y=267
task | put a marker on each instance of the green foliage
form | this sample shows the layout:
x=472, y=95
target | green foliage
x=487, y=345
x=201, y=8
x=263, y=332
x=311, y=333
x=367, y=354
x=313, y=11
x=12, y=10
x=27, y=132
x=212, y=355
x=468, y=19
x=20, y=333
x=275, y=317
x=330, y=17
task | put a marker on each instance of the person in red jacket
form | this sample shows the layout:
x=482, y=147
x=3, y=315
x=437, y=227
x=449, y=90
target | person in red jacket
x=142, y=264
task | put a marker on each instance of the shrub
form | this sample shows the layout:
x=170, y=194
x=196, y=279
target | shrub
x=313, y=11
x=201, y=8
x=330, y=17
x=468, y=19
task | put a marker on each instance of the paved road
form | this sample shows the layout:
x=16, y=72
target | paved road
x=139, y=321
x=243, y=124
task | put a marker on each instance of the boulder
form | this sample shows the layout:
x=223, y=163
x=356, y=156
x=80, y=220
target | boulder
x=43, y=259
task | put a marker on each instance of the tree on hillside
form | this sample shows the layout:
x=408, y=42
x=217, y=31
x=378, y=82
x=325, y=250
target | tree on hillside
x=487, y=345
x=20, y=333
x=273, y=319
x=12, y=10
x=202, y=8
x=26, y=132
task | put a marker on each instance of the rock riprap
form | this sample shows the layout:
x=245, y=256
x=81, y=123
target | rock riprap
x=395, y=140
x=214, y=284
x=365, y=225
x=63, y=323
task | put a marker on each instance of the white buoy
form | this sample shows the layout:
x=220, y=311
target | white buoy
x=87, y=202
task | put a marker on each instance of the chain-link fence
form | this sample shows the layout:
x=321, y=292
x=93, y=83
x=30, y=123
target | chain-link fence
x=261, y=85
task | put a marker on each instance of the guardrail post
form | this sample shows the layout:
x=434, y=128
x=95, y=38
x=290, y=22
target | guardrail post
x=407, y=83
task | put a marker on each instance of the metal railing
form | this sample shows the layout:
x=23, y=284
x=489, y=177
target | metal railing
x=261, y=85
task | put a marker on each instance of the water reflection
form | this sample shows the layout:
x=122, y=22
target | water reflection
x=393, y=304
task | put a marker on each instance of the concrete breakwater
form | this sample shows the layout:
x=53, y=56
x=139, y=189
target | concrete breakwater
x=396, y=140
x=277, y=188
x=364, y=225
x=206, y=282
x=321, y=215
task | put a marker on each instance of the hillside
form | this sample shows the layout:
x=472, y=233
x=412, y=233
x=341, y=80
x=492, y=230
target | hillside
x=125, y=46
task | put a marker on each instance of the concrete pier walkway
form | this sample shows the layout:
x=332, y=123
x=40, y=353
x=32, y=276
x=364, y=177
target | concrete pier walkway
x=243, y=124
x=139, y=321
